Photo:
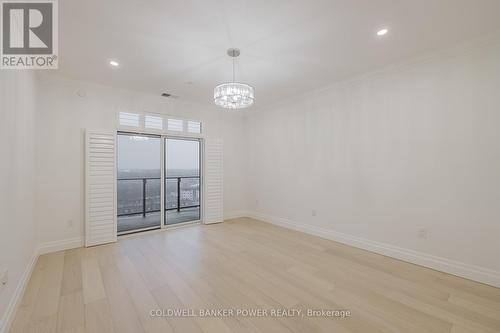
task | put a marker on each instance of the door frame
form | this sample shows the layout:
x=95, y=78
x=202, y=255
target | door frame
x=163, y=137
x=201, y=170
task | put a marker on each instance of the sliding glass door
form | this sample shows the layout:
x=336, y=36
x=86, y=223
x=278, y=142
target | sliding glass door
x=143, y=162
x=182, y=180
x=139, y=183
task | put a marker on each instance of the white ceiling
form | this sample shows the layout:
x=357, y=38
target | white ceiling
x=287, y=46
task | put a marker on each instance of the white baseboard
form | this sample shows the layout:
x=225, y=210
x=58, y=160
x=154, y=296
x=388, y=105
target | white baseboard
x=9, y=314
x=453, y=267
x=235, y=214
x=60, y=245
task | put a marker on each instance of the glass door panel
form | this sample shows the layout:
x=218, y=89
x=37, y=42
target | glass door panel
x=138, y=182
x=182, y=180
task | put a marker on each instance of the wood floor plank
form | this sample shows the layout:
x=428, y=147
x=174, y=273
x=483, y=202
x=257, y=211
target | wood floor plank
x=167, y=299
x=246, y=264
x=33, y=287
x=217, y=296
x=21, y=320
x=142, y=298
x=46, y=324
x=47, y=300
x=71, y=315
x=72, y=273
x=98, y=317
x=92, y=286
x=125, y=318
x=292, y=285
x=182, y=289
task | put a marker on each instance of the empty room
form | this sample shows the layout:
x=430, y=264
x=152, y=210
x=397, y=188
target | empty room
x=290, y=166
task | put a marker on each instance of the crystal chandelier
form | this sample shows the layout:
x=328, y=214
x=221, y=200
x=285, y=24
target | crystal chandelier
x=233, y=95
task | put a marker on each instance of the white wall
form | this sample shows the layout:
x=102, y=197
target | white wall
x=379, y=158
x=62, y=119
x=17, y=229
x=388, y=154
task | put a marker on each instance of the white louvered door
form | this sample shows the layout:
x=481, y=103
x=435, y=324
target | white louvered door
x=100, y=183
x=214, y=211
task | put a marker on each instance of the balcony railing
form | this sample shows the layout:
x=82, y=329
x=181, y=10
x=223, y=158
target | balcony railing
x=141, y=206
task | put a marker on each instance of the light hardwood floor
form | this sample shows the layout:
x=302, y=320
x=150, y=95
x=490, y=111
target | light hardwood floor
x=246, y=264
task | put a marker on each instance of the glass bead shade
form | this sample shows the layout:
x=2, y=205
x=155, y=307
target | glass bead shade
x=233, y=95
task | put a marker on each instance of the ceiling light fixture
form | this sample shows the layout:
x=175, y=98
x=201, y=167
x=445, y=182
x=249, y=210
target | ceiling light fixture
x=233, y=95
x=114, y=63
x=382, y=32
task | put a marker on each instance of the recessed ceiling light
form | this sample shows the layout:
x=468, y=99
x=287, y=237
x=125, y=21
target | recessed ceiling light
x=114, y=63
x=382, y=32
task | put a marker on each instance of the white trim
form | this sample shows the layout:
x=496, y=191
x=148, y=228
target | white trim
x=60, y=245
x=8, y=318
x=163, y=163
x=449, y=266
x=201, y=162
x=181, y=224
x=202, y=180
x=235, y=214
x=163, y=158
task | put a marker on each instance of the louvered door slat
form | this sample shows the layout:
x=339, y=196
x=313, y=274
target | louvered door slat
x=214, y=211
x=100, y=220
